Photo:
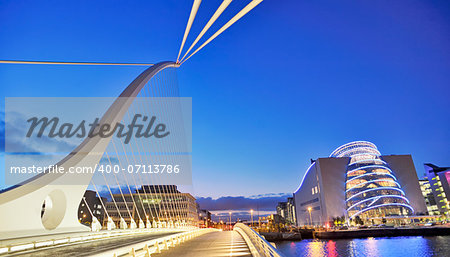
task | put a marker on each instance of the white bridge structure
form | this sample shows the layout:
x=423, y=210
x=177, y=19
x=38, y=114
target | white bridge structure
x=22, y=212
x=40, y=215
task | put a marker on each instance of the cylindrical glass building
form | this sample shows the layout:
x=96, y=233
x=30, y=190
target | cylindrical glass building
x=371, y=189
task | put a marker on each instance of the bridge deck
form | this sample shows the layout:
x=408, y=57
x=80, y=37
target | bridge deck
x=214, y=244
x=91, y=248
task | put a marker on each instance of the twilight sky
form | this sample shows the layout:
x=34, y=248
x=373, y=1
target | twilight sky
x=292, y=80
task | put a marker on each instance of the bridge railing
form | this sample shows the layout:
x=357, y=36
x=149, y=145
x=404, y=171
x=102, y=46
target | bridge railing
x=155, y=245
x=258, y=245
x=25, y=244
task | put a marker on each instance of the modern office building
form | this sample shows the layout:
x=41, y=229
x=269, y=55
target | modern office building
x=153, y=203
x=290, y=207
x=428, y=195
x=439, y=179
x=286, y=210
x=282, y=209
x=358, y=183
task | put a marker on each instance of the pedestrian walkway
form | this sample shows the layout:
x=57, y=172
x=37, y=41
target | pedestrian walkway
x=214, y=244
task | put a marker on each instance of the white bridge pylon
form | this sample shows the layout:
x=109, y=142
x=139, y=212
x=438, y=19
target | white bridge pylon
x=21, y=205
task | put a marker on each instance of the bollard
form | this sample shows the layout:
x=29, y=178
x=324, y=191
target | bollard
x=158, y=250
x=147, y=251
x=173, y=241
x=133, y=252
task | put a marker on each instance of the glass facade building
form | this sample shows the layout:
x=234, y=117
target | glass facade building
x=371, y=188
x=439, y=182
x=358, y=184
x=427, y=193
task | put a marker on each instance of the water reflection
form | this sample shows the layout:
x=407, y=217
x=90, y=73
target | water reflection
x=315, y=248
x=331, y=249
x=373, y=247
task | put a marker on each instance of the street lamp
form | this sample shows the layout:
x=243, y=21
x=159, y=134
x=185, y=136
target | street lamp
x=251, y=212
x=230, y=219
x=310, y=218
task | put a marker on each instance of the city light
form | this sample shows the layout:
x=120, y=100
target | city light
x=310, y=217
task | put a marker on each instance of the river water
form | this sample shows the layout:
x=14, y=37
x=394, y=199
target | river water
x=382, y=246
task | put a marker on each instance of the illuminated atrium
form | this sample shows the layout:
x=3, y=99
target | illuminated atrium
x=358, y=184
x=371, y=188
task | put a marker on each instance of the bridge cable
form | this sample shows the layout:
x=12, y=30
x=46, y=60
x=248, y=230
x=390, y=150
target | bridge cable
x=143, y=187
x=179, y=196
x=74, y=63
x=163, y=204
x=158, y=190
x=183, y=200
x=147, y=163
x=89, y=209
x=126, y=181
x=101, y=201
x=211, y=21
x=149, y=181
x=110, y=192
x=244, y=11
x=166, y=188
x=118, y=184
x=173, y=192
x=155, y=213
x=161, y=207
x=132, y=176
x=194, y=10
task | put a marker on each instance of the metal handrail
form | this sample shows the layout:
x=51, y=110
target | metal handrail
x=155, y=245
x=80, y=237
x=258, y=245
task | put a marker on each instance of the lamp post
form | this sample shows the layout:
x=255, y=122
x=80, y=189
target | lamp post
x=230, y=219
x=251, y=212
x=310, y=218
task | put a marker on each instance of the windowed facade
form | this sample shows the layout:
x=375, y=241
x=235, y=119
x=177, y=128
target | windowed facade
x=430, y=201
x=153, y=203
x=439, y=184
x=371, y=188
x=356, y=182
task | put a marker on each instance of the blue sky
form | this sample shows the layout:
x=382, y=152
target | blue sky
x=291, y=81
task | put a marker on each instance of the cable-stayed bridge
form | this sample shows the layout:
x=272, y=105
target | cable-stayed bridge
x=142, y=215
